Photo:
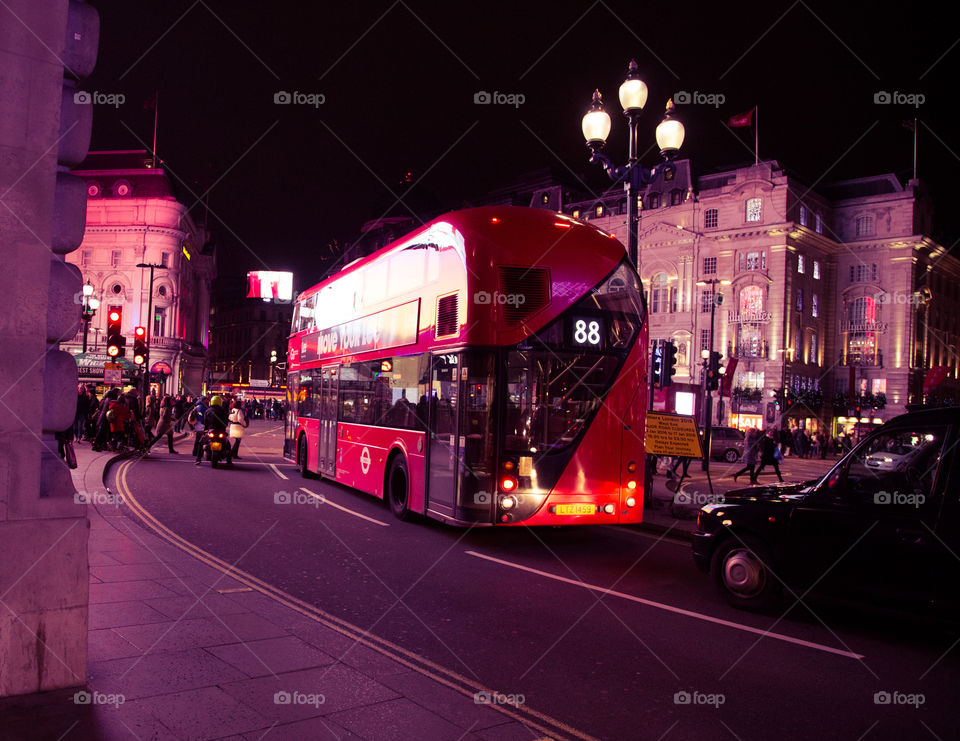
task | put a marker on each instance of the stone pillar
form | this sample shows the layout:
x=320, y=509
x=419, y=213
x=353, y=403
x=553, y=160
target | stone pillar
x=46, y=47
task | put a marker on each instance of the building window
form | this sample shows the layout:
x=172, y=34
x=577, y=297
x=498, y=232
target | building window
x=861, y=343
x=673, y=300
x=812, y=351
x=84, y=258
x=874, y=272
x=814, y=306
x=115, y=258
x=159, y=322
x=706, y=302
x=576, y=213
x=709, y=265
x=816, y=270
x=653, y=200
x=799, y=299
x=659, y=292
x=711, y=218
x=819, y=223
x=804, y=215
x=754, y=209
x=864, y=226
x=598, y=211
x=162, y=291
x=704, y=339
x=676, y=197
x=165, y=259
x=754, y=261
x=801, y=265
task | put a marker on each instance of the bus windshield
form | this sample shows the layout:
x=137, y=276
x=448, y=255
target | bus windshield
x=557, y=379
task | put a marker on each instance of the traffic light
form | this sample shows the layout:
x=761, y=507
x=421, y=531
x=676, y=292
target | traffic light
x=116, y=342
x=139, y=345
x=669, y=368
x=713, y=371
x=273, y=356
x=656, y=371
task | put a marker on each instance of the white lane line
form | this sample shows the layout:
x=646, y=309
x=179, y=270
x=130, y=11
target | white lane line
x=678, y=610
x=324, y=500
x=277, y=471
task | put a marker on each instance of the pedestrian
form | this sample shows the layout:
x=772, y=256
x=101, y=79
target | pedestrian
x=768, y=456
x=750, y=445
x=824, y=444
x=195, y=421
x=238, y=421
x=798, y=442
x=83, y=409
x=165, y=425
x=118, y=414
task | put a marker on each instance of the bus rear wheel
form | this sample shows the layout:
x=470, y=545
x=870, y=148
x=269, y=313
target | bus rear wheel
x=398, y=488
x=302, y=458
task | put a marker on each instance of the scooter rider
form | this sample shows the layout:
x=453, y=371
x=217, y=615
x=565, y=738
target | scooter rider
x=215, y=418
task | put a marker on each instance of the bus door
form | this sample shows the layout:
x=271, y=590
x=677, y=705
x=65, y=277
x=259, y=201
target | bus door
x=290, y=418
x=327, y=398
x=443, y=396
x=462, y=441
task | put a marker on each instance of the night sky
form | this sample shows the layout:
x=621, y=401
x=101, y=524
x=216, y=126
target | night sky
x=398, y=82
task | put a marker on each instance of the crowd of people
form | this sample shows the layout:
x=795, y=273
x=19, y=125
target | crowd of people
x=117, y=422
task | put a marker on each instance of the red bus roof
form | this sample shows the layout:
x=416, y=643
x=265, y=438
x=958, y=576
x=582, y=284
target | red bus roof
x=487, y=275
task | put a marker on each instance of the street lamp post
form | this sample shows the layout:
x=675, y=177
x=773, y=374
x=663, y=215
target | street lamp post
x=147, y=324
x=596, y=128
x=705, y=354
x=89, y=308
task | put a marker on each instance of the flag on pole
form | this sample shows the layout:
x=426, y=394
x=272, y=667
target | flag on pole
x=741, y=119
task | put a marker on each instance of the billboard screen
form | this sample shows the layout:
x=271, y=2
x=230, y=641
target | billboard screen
x=270, y=285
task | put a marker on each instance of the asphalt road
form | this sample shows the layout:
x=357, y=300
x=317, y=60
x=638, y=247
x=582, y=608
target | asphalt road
x=508, y=609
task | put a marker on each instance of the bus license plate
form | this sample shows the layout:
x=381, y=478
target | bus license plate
x=576, y=509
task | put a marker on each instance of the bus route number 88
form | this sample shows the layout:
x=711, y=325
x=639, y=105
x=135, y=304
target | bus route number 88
x=587, y=331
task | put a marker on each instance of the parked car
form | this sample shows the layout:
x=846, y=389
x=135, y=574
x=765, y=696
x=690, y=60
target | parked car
x=880, y=533
x=726, y=443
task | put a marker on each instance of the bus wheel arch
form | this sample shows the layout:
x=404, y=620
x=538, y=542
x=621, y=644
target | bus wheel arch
x=396, y=488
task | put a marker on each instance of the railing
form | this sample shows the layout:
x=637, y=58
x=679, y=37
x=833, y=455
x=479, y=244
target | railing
x=863, y=360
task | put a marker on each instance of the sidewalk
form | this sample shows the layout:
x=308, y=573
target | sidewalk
x=178, y=650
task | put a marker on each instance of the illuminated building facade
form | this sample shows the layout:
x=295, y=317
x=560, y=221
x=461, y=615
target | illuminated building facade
x=134, y=216
x=836, y=297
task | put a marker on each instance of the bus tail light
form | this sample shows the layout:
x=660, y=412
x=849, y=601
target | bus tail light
x=631, y=485
x=632, y=467
x=631, y=502
x=508, y=483
x=508, y=478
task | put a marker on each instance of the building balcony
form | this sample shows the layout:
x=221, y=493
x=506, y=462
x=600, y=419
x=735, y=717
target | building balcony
x=862, y=359
x=749, y=351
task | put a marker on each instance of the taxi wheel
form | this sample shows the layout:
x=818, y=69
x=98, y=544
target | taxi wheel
x=398, y=488
x=742, y=573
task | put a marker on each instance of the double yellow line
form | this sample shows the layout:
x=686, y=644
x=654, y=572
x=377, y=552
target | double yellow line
x=550, y=727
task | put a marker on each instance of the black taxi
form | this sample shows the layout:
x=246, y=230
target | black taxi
x=883, y=525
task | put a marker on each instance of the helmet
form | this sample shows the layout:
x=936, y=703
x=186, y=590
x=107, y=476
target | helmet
x=216, y=401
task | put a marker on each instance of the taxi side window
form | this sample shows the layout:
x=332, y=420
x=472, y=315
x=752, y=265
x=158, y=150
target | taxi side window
x=895, y=468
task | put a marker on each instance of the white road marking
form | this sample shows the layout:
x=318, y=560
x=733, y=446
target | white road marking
x=324, y=500
x=671, y=608
x=277, y=471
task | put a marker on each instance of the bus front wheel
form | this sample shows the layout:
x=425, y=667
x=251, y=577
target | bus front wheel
x=398, y=487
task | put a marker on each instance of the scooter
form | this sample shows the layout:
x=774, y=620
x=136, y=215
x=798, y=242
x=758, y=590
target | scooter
x=215, y=442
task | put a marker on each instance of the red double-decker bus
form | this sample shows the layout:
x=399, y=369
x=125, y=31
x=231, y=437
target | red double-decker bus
x=489, y=368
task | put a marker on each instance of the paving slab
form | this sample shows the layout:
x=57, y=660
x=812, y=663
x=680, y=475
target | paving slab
x=272, y=656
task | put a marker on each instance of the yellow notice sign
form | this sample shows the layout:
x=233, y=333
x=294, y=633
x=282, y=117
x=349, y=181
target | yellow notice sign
x=672, y=434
